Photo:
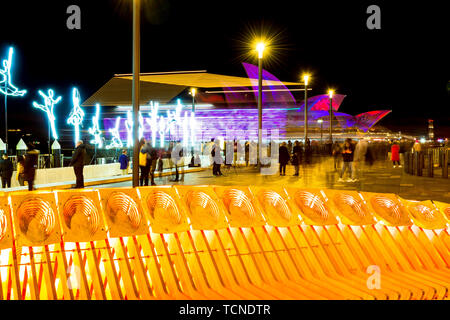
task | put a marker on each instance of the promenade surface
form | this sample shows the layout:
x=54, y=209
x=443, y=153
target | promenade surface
x=380, y=177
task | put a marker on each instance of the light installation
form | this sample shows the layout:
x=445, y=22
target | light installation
x=116, y=142
x=48, y=108
x=129, y=126
x=6, y=86
x=95, y=129
x=153, y=121
x=77, y=114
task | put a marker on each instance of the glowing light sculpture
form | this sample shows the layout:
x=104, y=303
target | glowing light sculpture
x=6, y=86
x=129, y=126
x=48, y=108
x=95, y=129
x=116, y=141
x=141, y=125
x=77, y=115
x=162, y=131
x=153, y=121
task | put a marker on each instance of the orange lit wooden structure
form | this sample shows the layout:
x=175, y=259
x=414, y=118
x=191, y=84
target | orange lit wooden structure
x=222, y=242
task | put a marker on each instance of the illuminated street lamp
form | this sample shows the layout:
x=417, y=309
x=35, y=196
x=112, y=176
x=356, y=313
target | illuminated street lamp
x=321, y=129
x=306, y=81
x=193, y=92
x=330, y=93
x=136, y=81
x=260, y=49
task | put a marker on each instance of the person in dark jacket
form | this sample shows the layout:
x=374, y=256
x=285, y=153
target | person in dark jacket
x=152, y=157
x=283, y=158
x=216, y=154
x=77, y=162
x=308, y=151
x=6, y=171
x=30, y=166
x=124, y=161
x=297, y=157
x=347, y=157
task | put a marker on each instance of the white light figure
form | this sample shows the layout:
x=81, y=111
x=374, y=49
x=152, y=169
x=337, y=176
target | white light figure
x=185, y=130
x=129, y=126
x=77, y=114
x=162, y=131
x=6, y=86
x=141, y=125
x=174, y=118
x=193, y=128
x=116, y=141
x=49, y=104
x=95, y=130
x=153, y=121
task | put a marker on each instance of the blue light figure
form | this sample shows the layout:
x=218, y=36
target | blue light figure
x=77, y=114
x=116, y=141
x=129, y=125
x=48, y=108
x=95, y=130
x=6, y=86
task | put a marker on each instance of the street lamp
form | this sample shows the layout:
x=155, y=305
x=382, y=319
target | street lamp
x=306, y=81
x=330, y=93
x=136, y=82
x=260, y=49
x=321, y=129
x=193, y=92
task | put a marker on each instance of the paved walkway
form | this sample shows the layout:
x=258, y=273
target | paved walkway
x=381, y=177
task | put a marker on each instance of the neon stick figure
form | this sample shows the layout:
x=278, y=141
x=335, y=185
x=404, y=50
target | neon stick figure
x=49, y=104
x=95, y=130
x=153, y=121
x=129, y=126
x=116, y=141
x=77, y=114
x=6, y=86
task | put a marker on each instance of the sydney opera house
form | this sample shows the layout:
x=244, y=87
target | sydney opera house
x=224, y=106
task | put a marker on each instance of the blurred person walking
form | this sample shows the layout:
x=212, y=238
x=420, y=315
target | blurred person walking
x=20, y=170
x=30, y=165
x=216, y=154
x=143, y=164
x=359, y=158
x=77, y=162
x=6, y=171
x=283, y=158
x=337, y=154
x=297, y=157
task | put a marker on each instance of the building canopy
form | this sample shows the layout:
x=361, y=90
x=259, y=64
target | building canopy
x=163, y=87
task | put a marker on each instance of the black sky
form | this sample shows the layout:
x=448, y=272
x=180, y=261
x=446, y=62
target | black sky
x=403, y=67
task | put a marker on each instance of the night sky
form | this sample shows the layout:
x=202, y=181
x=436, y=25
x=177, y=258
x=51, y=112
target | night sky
x=403, y=67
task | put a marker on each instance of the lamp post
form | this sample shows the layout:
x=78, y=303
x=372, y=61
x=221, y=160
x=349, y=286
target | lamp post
x=306, y=80
x=321, y=129
x=260, y=49
x=193, y=92
x=136, y=83
x=330, y=93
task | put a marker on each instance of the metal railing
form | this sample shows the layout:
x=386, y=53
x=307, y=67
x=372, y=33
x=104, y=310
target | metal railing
x=425, y=163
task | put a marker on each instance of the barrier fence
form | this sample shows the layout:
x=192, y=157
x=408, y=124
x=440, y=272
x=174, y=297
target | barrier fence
x=222, y=242
x=425, y=163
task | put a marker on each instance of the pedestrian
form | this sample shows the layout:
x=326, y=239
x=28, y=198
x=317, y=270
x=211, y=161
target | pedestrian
x=144, y=168
x=417, y=146
x=30, y=165
x=216, y=154
x=20, y=170
x=395, y=154
x=283, y=158
x=337, y=153
x=160, y=162
x=308, y=151
x=6, y=171
x=124, y=162
x=347, y=157
x=247, y=153
x=296, y=157
x=290, y=146
x=359, y=158
x=77, y=162
x=177, y=156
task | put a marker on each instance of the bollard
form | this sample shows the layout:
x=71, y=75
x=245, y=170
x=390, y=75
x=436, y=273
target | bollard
x=21, y=148
x=56, y=154
x=2, y=148
x=445, y=158
x=420, y=160
x=430, y=165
